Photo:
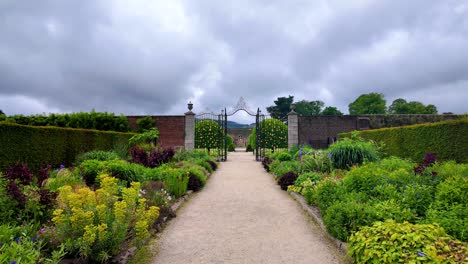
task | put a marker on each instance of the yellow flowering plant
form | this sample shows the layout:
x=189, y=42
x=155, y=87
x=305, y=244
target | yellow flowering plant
x=96, y=223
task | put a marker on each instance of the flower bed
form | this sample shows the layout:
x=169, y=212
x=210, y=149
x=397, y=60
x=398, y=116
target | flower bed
x=355, y=189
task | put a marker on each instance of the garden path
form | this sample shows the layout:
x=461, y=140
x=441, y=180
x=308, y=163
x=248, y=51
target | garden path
x=242, y=216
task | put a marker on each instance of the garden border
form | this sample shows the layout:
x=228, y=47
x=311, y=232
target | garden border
x=315, y=214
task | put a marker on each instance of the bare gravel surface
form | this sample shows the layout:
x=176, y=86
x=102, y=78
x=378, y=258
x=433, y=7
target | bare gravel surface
x=242, y=216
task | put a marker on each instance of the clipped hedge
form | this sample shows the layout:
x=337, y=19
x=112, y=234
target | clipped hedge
x=449, y=140
x=37, y=146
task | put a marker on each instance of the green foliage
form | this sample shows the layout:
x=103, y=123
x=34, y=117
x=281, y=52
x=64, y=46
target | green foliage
x=346, y=153
x=145, y=123
x=450, y=209
x=312, y=176
x=176, y=181
x=281, y=108
x=9, y=206
x=447, y=139
x=19, y=247
x=123, y=170
x=400, y=106
x=97, y=155
x=392, y=242
x=372, y=103
x=64, y=177
x=85, y=120
x=283, y=156
x=230, y=143
x=274, y=134
x=37, y=146
x=316, y=161
x=94, y=224
x=309, y=108
x=208, y=134
x=283, y=167
x=331, y=111
x=149, y=136
x=2, y=116
x=191, y=155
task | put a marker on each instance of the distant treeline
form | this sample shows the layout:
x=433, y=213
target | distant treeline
x=86, y=120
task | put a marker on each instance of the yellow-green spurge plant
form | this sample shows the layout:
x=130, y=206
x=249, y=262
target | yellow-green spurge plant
x=94, y=224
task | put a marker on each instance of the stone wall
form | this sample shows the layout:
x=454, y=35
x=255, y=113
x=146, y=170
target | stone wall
x=240, y=136
x=320, y=131
x=171, y=129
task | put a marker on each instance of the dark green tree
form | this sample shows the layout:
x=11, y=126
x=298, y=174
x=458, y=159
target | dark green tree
x=145, y=123
x=309, y=108
x=331, y=111
x=400, y=106
x=2, y=115
x=371, y=103
x=281, y=108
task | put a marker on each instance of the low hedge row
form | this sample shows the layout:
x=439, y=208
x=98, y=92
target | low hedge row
x=38, y=146
x=449, y=140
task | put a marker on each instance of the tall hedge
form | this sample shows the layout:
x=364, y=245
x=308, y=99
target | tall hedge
x=38, y=146
x=449, y=140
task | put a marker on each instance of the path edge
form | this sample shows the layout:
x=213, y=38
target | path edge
x=315, y=214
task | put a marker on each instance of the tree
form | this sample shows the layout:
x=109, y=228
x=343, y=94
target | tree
x=208, y=134
x=331, y=111
x=371, y=103
x=281, y=108
x=145, y=123
x=274, y=134
x=2, y=115
x=400, y=106
x=306, y=108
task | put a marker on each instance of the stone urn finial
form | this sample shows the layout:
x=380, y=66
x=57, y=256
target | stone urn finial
x=190, y=106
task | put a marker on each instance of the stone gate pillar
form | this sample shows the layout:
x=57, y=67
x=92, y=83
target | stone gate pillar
x=293, y=128
x=189, y=128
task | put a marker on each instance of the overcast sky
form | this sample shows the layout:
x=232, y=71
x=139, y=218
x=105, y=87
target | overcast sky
x=152, y=57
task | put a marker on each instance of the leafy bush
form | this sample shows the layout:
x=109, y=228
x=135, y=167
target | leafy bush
x=301, y=152
x=447, y=139
x=313, y=176
x=37, y=146
x=145, y=123
x=63, y=177
x=85, y=120
x=208, y=134
x=176, y=181
x=450, y=168
x=316, y=161
x=18, y=247
x=120, y=169
x=230, y=143
x=97, y=155
x=346, y=153
x=391, y=242
x=266, y=163
x=95, y=224
x=450, y=209
x=149, y=136
x=287, y=179
x=283, y=156
x=274, y=134
x=191, y=155
x=283, y=167
x=343, y=218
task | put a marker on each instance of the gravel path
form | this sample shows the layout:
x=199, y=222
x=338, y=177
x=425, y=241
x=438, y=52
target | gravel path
x=241, y=216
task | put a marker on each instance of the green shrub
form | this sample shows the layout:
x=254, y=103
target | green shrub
x=208, y=134
x=450, y=168
x=346, y=153
x=450, y=209
x=284, y=167
x=84, y=120
x=313, y=176
x=64, y=177
x=97, y=155
x=123, y=170
x=326, y=193
x=230, y=143
x=9, y=206
x=191, y=155
x=447, y=139
x=302, y=151
x=391, y=242
x=345, y=217
x=417, y=197
x=316, y=161
x=145, y=123
x=283, y=156
x=37, y=146
x=274, y=134
x=149, y=136
x=176, y=181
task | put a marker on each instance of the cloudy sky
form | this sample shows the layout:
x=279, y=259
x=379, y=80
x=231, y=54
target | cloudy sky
x=153, y=56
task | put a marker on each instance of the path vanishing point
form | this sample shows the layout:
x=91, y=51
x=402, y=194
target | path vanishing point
x=242, y=216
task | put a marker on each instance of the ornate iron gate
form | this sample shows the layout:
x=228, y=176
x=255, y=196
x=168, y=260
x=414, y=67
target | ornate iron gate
x=210, y=134
x=259, y=136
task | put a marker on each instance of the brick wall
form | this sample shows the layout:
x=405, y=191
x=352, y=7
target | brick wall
x=171, y=129
x=320, y=131
x=240, y=136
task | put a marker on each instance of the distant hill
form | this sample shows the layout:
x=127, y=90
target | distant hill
x=232, y=124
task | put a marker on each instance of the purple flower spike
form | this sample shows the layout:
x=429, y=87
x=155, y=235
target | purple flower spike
x=62, y=166
x=422, y=254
